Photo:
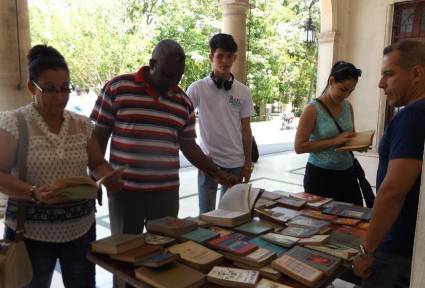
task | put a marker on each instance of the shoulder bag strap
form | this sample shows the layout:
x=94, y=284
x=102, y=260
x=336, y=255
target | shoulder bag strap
x=333, y=118
x=21, y=154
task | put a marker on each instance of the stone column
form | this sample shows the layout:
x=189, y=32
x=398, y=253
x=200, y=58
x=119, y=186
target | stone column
x=14, y=45
x=326, y=58
x=234, y=23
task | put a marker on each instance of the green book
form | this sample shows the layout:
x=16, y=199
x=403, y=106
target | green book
x=254, y=228
x=269, y=246
x=79, y=192
x=201, y=235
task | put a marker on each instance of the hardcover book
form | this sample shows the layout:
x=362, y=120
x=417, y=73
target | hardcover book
x=233, y=277
x=279, y=239
x=291, y=202
x=353, y=211
x=235, y=206
x=116, y=244
x=234, y=243
x=360, y=141
x=196, y=255
x=254, y=228
x=269, y=246
x=154, y=239
x=174, y=275
x=299, y=232
x=157, y=260
x=201, y=235
x=316, y=214
x=304, y=221
x=170, y=226
x=137, y=254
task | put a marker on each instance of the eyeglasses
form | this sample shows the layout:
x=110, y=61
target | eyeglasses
x=52, y=91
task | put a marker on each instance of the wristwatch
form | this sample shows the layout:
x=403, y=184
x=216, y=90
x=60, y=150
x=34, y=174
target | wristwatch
x=363, y=250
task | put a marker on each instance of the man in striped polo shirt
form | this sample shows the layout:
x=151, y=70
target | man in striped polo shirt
x=149, y=118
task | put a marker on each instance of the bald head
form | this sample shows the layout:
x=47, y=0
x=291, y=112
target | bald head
x=168, y=48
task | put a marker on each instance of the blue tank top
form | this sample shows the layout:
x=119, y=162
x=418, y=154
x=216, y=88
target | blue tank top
x=325, y=128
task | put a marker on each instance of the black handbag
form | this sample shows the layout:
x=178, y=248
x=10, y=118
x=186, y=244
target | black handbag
x=364, y=184
x=254, y=152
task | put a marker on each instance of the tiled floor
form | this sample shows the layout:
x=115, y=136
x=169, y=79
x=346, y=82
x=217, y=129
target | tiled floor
x=279, y=171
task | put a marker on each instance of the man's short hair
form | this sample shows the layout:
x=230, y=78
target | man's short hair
x=412, y=52
x=168, y=48
x=223, y=41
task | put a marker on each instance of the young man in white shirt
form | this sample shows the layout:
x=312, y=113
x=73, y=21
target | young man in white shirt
x=225, y=107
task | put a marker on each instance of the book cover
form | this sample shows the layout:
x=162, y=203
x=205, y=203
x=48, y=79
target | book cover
x=334, y=203
x=319, y=204
x=201, y=223
x=291, y=202
x=174, y=275
x=359, y=233
x=264, y=203
x=233, y=277
x=269, y=246
x=346, y=221
x=279, y=239
x=154, y=239
x=360, y=141
x=233, y=244
x=308, y=197
x=363, y=225
x=353, y=211
x=256, y=259
x=171, y=226
x=201, y=235
x=220, y=230
x=265, y=283
x=321, y=261
x=316, y=214
x=283, y=214
x=157, y=260
x=338, y=237
x=336, y=250
x=298, y=270
x=304, y=221
x=196, y=255
x=314, y=240
x=266, y=271
x=137, y=254
x=299, y=232
x=117, y=243
x=254, y=228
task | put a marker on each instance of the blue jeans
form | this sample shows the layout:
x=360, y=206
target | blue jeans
x=77, y=271
x=207, y=189
x=389, y=271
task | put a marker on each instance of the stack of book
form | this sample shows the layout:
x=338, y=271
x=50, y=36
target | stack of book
x=117, y=244
x=235, y=206
x=196, y=256
x=306, y=266
x=171, y=226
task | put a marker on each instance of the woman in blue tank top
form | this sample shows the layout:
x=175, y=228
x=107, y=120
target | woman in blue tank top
x=330, y=173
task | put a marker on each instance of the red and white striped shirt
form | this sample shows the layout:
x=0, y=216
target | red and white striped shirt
x=146, y=128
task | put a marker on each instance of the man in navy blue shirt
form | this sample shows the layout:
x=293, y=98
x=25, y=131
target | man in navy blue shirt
x=386, y=256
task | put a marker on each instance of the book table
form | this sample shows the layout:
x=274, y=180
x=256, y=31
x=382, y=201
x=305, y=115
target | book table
x=125, y=272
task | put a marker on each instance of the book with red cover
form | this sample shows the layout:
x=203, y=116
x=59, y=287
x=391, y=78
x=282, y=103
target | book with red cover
x=234, y=243
x=357, y=232
x=308, y=197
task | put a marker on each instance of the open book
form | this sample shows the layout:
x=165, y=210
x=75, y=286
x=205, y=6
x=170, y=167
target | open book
x=235, y=207
x=361, y=140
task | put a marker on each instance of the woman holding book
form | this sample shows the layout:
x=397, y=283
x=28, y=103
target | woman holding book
x=60, y=145
x=330, y=173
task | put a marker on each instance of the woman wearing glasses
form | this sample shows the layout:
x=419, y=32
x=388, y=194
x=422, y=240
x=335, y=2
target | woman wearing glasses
x=329, y=173
x=60, y=145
